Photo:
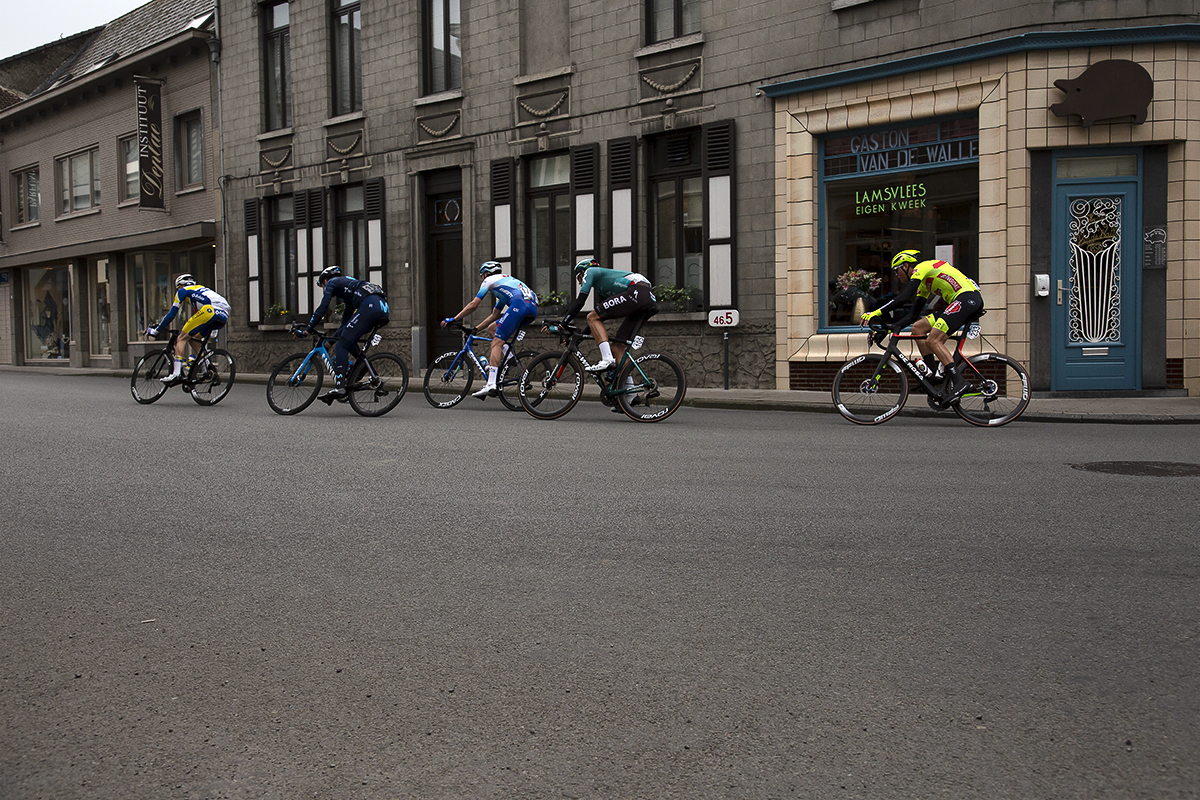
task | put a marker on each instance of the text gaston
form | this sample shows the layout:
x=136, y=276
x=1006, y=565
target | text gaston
x=890, y=198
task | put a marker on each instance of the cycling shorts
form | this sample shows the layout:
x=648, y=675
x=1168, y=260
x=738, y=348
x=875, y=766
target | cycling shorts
x=206, y=320
x=955, y=315
x=514, y=316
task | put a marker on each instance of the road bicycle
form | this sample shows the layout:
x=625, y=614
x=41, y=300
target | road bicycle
x=448, y=379
x=872, y=388
x=648, y=388
x=377, y=382
x=208, y=375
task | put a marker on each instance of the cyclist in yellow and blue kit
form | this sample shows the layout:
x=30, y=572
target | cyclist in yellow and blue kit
x=211, y=312
x=921, y=280
x=516, y=305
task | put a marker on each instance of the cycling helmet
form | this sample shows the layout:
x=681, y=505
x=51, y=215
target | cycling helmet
x=327, y=273
x=904, y=261
x=490, y=268
x=585, y=265
x=185, y=279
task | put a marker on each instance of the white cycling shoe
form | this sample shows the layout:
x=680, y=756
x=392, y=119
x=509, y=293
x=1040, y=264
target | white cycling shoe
x=486, y=392
x=602, y=364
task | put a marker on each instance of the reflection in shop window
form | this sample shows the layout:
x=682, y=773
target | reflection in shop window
x=101, y=307
x=914, y=187
x=48, y=313
x=151, y=291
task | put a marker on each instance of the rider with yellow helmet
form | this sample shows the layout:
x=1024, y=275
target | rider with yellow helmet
x=921, y=280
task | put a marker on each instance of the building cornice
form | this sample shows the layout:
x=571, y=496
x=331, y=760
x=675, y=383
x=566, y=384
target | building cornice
x=1027, y=42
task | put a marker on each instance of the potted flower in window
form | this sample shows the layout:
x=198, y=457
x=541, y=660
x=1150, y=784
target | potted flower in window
x=551, y=304
x=677, y=299
x=855, y=286
x=277, y=314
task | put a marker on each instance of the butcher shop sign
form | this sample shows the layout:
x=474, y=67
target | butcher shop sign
x=1107, y=90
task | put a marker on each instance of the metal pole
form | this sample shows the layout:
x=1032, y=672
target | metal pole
x=726, y=337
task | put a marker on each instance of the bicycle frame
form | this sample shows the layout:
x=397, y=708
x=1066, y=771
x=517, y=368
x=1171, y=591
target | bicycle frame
x=321, y=350
x=207, y=345
x=571, y=338
x=893, y=350
x=468, y=348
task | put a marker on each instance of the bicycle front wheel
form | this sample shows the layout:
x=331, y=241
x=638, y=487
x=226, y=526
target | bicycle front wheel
x=146, y=385
x=551, y=385
x=294, y=384
x=867, y=392
x=375, y=392
x=212, y=377
x=660, y=385
x=508, y=380
x=997, y=395
x=448, y=379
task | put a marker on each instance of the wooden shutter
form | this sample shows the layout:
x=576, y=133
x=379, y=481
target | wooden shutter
x=253, y=264
x=622, y=202
x=719, y=183
x=502, y=211
x=373, y=205
x=585, y=162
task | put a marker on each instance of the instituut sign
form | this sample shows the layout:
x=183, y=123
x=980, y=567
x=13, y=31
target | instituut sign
x=150, y=143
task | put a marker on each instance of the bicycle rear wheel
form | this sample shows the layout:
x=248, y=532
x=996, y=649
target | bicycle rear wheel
x=448, y=379
x=661, y=385
x=212, y=377
x=997, y=395
x=867, y=393
x=293, y=385
x=508, y=380
x=551, y=385
x=146, y=384
x=376, y=395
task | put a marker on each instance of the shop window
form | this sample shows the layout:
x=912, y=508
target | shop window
x=130, y=184
x=100, y=301
x=28, y=201
x=279, y=297
x=443, y=45
x=550, y=223
x=670, y=19
x=913, y=187
x=151, y=290
x=79, y=181
x=347, y=57
x=351, y=231
x=189, y=151
x=47, y=313
x=277, y=75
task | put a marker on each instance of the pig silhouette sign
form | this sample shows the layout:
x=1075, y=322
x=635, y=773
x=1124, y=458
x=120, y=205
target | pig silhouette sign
x=1107, y=90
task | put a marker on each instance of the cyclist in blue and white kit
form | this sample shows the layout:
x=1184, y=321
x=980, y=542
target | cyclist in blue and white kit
x=516, y=306
x=211, y=312
x=366, y=306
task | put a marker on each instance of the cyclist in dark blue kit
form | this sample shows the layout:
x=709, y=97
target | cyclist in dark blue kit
x=366, y=306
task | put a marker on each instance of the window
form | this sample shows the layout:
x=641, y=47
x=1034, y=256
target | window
x=443, y=45
x=550, y=224
x=79, y=182
x=28, y=190
x=131, y=187
x=277, y=56
x=351, y=232
x=189, y=151
x=47, y=312
x=280, y=296
x=894, y=189
x=151, y=290
x=670, y=19
x=677, y=212
x=100, y=316
x=347, y=57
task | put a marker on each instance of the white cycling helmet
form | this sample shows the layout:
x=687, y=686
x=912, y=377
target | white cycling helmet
x=186, y=279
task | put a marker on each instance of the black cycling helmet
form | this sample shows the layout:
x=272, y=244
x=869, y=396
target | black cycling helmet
x=491, y=268
x=327, y=273
x=585, y=265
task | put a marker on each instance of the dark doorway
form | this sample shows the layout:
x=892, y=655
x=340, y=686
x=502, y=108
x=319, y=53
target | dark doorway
x=443, y=257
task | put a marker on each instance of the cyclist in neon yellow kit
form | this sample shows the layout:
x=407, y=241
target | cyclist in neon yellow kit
x=921, y=280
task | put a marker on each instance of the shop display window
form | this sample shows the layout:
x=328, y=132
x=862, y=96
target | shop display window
x=48, y=313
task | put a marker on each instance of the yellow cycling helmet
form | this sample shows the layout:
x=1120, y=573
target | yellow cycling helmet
x=904, y=261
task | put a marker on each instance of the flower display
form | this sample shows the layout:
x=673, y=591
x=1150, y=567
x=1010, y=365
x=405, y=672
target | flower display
x=859, y=279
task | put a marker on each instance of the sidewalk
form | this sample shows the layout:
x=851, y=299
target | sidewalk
x=1138, y=410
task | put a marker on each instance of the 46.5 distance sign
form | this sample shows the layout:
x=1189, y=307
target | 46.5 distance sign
x=724, y=318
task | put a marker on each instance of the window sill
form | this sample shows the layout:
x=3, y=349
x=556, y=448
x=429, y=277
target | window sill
x=190, y=190
x=131, y=203
x=521, y=80
x=279, y=134
x=353, y=116
x=679, y=316
x=440, y=97
x=77, y=214
x=26, y=225
x=671, y=44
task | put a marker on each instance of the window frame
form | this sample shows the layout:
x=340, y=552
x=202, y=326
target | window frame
x=352, y=77
x=441, y=77
x=124, y=195
x=184, y=179
x=354, y=264
x=280, y=243
x=277, y=77
x=66, y=184
x=22, y=209
x=681, y=23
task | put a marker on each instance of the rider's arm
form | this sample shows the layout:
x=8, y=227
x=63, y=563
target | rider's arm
x=906, y=294
x=467, y=309
x=577, y=303
x=171, y=312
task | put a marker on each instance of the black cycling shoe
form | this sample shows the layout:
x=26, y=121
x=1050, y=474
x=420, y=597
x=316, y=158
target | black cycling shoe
x=337, y=393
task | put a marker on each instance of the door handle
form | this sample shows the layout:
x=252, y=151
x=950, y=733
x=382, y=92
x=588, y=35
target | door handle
x=1060, y=291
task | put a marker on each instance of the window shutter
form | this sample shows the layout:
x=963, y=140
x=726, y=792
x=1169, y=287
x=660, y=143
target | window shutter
x=622, y=201
x=502, y=216
x=253, y=252
x=719, y=179
x=584, y=185
x=373, y=203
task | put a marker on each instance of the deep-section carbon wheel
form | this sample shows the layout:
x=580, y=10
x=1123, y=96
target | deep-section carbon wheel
x=660, y=385
x=863, y=395
x=997, y=390
x=146, y=385
x=551, y=385
x=448, y=379
x=212, y=377
x=508, y=379
x=293, y=385
x=376, y=395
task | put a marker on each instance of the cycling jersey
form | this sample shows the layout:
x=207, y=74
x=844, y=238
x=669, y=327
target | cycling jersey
x=940, y=277
x=607, y=283
x=201, y=298
x=366, y=306
x=935, y=277
x=350, y=291
x=517, y=300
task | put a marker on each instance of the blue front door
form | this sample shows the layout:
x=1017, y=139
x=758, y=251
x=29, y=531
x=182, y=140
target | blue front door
x=1096, y=275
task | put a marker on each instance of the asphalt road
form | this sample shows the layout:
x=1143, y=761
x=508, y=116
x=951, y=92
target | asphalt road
x=225, y=603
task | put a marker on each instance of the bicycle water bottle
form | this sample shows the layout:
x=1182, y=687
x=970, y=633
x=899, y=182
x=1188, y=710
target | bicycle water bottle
x=923, y=368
